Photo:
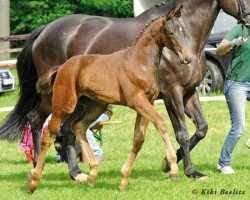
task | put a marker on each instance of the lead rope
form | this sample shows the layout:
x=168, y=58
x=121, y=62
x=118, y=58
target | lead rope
x=238, y=64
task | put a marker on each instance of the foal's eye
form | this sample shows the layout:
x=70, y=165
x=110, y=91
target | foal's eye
x=171, y=33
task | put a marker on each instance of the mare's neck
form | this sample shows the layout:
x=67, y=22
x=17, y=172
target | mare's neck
x=198, y=18
x=155, y=12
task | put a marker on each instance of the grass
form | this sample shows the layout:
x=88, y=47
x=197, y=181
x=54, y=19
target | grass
x=147, y=181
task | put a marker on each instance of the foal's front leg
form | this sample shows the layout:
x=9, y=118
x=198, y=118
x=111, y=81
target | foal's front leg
x=139, y=137
x=141, y=104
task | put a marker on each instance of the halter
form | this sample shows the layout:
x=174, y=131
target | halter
x=241, y=13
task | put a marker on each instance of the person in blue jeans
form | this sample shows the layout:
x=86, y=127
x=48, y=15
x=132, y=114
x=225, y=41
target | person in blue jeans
x=98, y=152
x=236, y=90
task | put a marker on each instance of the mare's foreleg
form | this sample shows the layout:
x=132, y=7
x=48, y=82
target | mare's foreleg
x=194, y=112
x=175, y=107
x=139, y=138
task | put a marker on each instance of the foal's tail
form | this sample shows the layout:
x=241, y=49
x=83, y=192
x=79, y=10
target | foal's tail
x=45, y=83
x=12, y=127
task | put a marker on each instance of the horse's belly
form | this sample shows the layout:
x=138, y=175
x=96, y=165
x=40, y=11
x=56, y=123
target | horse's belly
x=102, y=90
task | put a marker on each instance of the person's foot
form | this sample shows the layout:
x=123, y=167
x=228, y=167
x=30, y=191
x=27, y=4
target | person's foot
x=248, y=143
x=225, y=169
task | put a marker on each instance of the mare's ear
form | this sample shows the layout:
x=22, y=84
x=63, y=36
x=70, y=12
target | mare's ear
x=170, y=14
x=178, y=12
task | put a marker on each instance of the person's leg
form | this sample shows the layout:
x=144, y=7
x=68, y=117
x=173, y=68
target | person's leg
x=236, y=95
x=248, y=143
x=98, y=152
x=103, y=118
x=248, y=98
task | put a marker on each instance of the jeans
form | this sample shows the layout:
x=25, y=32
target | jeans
x=236, y=94
x=98, y=152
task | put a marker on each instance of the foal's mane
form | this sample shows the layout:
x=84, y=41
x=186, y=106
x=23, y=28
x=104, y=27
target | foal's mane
x=145, y=28
x=161, y=3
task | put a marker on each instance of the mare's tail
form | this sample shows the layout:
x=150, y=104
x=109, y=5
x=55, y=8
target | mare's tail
x=12, y=127
x=45, y=83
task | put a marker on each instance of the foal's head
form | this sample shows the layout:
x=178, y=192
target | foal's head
x=173, y=36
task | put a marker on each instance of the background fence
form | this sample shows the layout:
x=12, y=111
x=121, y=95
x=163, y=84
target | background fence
x=9, y=64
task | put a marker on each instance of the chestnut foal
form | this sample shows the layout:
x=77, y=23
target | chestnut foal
x=127, y=77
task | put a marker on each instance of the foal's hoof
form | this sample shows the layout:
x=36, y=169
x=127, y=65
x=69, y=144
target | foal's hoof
x=123, y=184
x=174, y=177
x=165, y=166
x=32, y=185
x=122, y=187
x=81, y=178
x=90, y=182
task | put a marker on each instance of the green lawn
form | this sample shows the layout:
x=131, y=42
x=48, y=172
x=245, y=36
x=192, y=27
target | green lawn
x=147, y=181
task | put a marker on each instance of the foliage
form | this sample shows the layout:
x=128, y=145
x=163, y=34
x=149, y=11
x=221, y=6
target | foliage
x=27, y=15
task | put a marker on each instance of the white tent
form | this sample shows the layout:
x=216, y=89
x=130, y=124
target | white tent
x=142, y=5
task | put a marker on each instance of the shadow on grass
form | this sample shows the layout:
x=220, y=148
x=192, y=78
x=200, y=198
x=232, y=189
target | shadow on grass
x=108, y=180
x=49, y=160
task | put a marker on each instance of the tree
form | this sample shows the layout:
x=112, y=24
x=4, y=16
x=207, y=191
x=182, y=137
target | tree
x=27, y=15
x=4, y=27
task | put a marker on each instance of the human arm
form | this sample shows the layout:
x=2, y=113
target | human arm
x=226, y=45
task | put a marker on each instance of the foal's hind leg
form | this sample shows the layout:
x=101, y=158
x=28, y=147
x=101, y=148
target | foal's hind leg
x=139, y=137
x=48, y=137
x=80, y=126
x=36, y=119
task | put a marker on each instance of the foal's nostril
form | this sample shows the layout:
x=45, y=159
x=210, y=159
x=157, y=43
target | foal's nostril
x=187, y=60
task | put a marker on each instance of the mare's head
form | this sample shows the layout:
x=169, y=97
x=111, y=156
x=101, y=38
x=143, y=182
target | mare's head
x=240, y=9
x=173, y=36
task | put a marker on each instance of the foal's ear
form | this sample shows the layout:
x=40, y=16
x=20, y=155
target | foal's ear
x=171, y=14
x=178, y=12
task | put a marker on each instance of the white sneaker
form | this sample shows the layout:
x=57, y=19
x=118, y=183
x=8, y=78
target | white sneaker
x=248, y=143
x=226, y=169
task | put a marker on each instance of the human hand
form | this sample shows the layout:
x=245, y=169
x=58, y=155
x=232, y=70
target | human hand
x=239, y=41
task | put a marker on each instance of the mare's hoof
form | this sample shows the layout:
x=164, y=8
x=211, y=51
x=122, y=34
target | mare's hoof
x=174, y=177
x=165, y=166
x=32, y=185
x=204, y=178
x=198, y=175
x=90, y=182
x=81, y=178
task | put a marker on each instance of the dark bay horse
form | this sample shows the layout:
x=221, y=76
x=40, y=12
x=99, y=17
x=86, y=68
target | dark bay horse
x=127, y=77
x=53, y=44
